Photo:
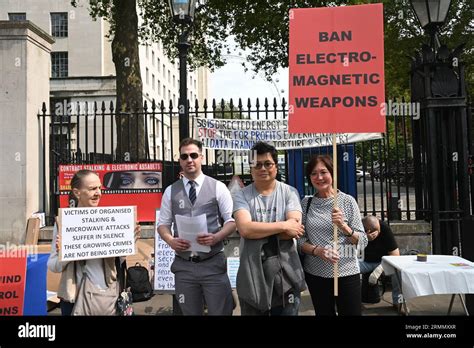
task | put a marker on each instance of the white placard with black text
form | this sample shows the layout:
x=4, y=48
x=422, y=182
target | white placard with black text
x=96, y=232
x=164, y=257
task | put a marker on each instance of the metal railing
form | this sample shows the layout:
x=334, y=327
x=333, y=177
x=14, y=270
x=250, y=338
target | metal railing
x=87, y=134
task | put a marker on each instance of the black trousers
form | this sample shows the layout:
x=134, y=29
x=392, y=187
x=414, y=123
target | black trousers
x=322, y=294
x=66, y=308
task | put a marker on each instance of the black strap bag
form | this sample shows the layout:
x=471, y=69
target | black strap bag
x=139, y=282
x=301, y=254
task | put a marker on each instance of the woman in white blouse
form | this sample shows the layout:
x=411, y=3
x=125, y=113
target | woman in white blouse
x=317, y=243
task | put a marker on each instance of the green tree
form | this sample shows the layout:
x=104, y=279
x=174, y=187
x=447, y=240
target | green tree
x=261, y=28
x=130, y=125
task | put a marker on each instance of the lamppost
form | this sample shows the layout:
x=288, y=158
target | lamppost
x=440, y=135
x=431, y=14
x=183, y=14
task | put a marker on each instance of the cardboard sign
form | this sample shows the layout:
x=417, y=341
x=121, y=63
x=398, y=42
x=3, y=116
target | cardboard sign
x=138, y=184
x=336, y=61
x=164, y=257
x=12, y=283
x=92, y=233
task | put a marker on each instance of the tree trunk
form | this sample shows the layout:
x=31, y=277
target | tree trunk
x=130, y=123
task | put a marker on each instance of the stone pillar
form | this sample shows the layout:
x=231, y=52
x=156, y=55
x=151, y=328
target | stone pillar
x=413, y=235
x=24, y=69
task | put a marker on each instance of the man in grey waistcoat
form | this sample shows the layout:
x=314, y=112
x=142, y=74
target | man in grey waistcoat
x=268, y=216
x=198, y=275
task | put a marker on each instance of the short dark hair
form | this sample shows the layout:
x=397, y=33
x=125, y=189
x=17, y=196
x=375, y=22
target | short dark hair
x=190, y=141
x=325, y=159
x=263, y=148
x=76, y=183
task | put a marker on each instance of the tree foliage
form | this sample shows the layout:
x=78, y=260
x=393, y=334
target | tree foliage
x=261, y=29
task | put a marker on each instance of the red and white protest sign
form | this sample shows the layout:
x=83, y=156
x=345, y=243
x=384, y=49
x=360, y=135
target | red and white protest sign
x=12, y=283
x=336, y=62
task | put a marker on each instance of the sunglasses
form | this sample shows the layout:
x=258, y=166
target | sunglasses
x=259, y=165
x=193, y=155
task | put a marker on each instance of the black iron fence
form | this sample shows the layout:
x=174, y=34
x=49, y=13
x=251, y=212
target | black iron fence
x=379, y=173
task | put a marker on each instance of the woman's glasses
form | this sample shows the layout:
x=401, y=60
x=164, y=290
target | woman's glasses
x=193, y=155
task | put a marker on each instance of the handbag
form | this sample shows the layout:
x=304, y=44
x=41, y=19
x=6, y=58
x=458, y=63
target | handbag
x=301, y=254
x=124, y=303
x=91, y=300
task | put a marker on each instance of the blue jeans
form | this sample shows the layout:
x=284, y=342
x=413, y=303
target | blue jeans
x=368, y=267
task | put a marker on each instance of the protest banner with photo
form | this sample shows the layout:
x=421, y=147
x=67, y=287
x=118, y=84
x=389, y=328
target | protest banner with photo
x=336, y=69
x=138, y=184
x=164, y=257
x=222, y=134
x=97, y=232
x=12, y=283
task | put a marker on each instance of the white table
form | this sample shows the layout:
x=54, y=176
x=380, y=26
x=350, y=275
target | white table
x=440, y=274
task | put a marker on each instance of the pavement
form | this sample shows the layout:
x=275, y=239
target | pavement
x=162, y=304
x=426, y=305
x=435, y=305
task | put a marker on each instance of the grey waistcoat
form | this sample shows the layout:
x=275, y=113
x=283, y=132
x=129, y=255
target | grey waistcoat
x=206, y=203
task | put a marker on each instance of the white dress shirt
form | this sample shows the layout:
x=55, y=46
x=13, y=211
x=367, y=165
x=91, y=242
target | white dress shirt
x=223, y=196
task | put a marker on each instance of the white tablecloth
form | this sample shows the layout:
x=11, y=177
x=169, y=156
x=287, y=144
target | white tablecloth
x=438, y=275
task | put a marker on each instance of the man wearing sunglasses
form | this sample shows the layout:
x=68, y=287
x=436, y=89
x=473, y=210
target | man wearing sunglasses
x=268, y=216
x=198, y=276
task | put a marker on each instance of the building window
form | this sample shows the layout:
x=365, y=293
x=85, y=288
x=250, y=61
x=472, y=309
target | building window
x=17, y=16
x=146, y=51
x=159, y=87
x=159, y=64
x=174, y=81
x=169, y=76
x=147, y=76
x=153, y=58
x=153, y=81
x=59, y=64
x=164, y=71
x=59, y=24
x=169, y=95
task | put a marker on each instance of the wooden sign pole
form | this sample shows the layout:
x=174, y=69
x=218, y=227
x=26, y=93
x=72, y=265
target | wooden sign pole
x=334, y=182
x=59, y=225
